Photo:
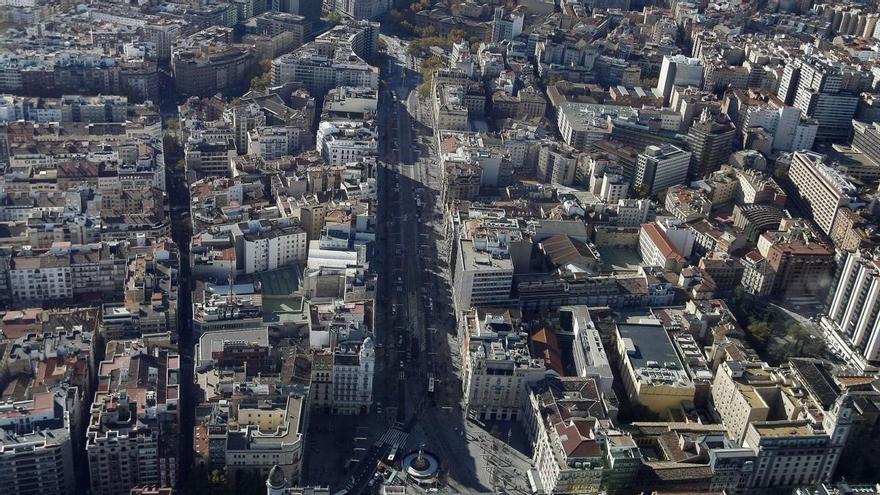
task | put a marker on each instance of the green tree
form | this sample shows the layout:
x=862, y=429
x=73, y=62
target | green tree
x=760, y=331
x=262, y=80
x=457, y=35
x=170, y=146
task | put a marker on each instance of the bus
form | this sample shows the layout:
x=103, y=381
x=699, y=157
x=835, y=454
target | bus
x=393, y=453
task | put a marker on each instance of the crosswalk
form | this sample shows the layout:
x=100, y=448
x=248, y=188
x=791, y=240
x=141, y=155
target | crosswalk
x=394, y=436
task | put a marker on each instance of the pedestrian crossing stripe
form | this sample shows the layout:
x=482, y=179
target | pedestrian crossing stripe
x=394, y=436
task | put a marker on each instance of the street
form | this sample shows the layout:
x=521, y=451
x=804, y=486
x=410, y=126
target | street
x=418, y=391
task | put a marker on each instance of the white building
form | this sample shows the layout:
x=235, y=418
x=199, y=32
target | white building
x=267, y=246
x=343, y=141
x=352, y=375
x=483, y=272
x=631, y=213
x=678, y=70
x=589, y=352
x=497, y=364
x=613, y=187
x=557, y=163
x=854, y=310
x=351, y=101
x=661, y=167
x=268, y=435
x=322, y=65
x=40, y=278
x=784, y=122
x=666, y=244
x=271, y=143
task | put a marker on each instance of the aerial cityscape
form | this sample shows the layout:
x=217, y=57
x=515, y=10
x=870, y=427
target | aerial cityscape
x=358, y=247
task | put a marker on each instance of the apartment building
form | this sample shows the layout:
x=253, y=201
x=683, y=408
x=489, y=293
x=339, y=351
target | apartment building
x=149, y=303
x=343, y=141
x=66, y=271
x=793, y=418
x=207, y=62
x=802, y=261
x=822, y=190
x=796, y=453
x=678, y=70
x=498, y=367
x=209, y=158
x=321, y=66
x=563, y=419
x=590, y=358
x=853, y=313
x=687, y=204
x=582, y=124
x=819, y=89
x=221, y=311
x=345, y=357
x=360, y=9
x=272, y=143
x=449, y=107
x=758, y=275
x=790, y=131
x=483, y=269
x=38, y=462
x=266, y=246
x=269, y=433
x=351, y=102
x=711, y=142
x=131, y=439
x=665, y=245
x=557, y=163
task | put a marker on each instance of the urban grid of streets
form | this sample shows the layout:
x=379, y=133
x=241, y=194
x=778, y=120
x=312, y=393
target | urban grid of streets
x=416, y=329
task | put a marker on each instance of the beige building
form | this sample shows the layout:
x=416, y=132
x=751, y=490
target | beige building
x=497, y=363
x=652, y=373
x=450, y=110
x=269, y=433
x=792, y=417
x=738, y=394
x=823, y=190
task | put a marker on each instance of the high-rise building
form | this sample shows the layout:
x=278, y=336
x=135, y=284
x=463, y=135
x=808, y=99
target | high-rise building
x=132, y=437
x=557, y=163
x=661, y=167
x=802, y=261
x=761, y=109
x=821, y=189
x=361, y=9
x=36, y=463
x=678, y=70
x=506, y=26
x=798, y=445
x=310, y=9
x=823, y=91
x=866, y=138
x=854, y=312
x=711, y=142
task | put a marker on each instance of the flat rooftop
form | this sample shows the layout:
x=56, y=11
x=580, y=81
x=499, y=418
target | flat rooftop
x=474, y=260
x=651, y=354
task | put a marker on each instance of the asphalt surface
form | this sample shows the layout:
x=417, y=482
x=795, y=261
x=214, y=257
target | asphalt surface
x=415, y=325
